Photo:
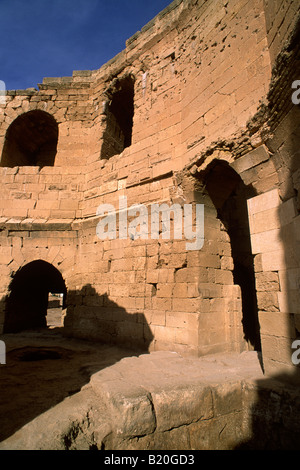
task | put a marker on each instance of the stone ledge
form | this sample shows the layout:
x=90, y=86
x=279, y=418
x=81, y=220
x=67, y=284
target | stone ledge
x=35, y=224
x=152, y=401
x=163, y=390
x=163, y=401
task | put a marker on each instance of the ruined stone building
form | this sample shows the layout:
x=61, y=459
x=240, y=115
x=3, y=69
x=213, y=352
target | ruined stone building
x=196, y=110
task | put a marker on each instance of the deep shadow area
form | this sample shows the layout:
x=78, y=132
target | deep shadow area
x=275, y=414
x=96, y=317
x=229, y=195
x=43, y=366
x=31, y=139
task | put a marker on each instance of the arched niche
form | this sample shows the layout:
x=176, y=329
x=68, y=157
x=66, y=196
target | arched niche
x=31, y=140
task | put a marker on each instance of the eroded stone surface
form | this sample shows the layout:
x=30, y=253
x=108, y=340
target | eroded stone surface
x=126, y=399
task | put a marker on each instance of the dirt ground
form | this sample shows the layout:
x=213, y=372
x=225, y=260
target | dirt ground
x=42, y=368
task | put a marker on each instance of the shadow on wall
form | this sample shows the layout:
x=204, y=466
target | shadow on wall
x=43, y=367
x=96, y=317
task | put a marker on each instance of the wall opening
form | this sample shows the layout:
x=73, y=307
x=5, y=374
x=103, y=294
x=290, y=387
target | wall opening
x=119, y=117
x=31, y=140
x=229, y=195
x=28, y=301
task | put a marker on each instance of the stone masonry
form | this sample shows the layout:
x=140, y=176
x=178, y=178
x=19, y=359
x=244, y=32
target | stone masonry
x=197, y=109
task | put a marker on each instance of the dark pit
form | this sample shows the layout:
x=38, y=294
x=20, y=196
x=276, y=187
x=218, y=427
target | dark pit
x=39, y=355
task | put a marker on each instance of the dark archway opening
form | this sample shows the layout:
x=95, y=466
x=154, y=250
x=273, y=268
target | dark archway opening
x=119, y=117
x=27, y=303
x=229, y=195
x=31, y=140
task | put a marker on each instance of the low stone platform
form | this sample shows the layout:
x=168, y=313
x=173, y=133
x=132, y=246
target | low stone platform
x=59, y=393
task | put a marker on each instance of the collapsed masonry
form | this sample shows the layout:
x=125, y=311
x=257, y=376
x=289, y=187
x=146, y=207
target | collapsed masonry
x=196, y=110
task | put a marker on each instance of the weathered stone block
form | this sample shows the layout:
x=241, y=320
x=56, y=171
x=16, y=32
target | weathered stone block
x=175, y=407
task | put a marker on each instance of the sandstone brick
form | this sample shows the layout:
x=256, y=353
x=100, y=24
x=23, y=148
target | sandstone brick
x=268, y=301
x=273, y=260
x=289, y=301
x=264, y=202
x=265, y=220
x=155, y=317
x=264, y=242
x=181, y=305
x=266, y=282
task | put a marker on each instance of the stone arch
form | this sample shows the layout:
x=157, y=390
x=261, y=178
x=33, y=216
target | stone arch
x=31, y=140
x=27, y=300
x=229, y=194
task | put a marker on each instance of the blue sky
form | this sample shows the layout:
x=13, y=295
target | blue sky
x=51, y=38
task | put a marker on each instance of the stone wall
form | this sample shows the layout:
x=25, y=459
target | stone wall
x=220, y=403
x=211, y=109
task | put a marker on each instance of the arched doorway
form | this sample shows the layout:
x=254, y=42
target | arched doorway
x=229, y=195
x=31, y=140
x=27, y=303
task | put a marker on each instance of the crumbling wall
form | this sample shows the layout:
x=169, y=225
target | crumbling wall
x=202, y=92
